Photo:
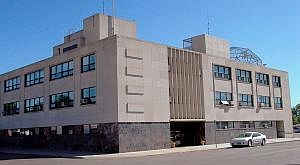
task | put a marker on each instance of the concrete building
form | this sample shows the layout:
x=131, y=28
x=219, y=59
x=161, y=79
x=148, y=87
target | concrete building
x=105, y=90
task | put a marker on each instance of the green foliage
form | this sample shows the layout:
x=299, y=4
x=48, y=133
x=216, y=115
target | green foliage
x=296, y=114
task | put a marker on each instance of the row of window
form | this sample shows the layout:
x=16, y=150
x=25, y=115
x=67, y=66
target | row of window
x=60, y=100
x=88, y=63
x=243, y=124
x=246, y=100
x=223, y=72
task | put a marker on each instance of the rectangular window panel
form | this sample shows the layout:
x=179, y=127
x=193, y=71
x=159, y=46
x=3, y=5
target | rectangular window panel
x=12, y=84
x=34, y=105
x=222, y=96
x=222, y=72
x=243, y=76
x=61, y=70
x=34, y=78
x=88, y=63
x=245, y=100
x=278, y=102
x=264, y=101
x=61, y=100
x=262, y=78
x=11, y=108
x=88, y=96
x=276, y=81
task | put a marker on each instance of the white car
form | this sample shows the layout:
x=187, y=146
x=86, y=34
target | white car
x=249, y=139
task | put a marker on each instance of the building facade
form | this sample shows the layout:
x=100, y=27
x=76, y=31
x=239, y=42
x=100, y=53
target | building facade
x=105, y=90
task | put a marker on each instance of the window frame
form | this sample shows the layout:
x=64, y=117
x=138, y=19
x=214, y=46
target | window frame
x=58, y=71
x=90, y=66
x=276, y=81
x=222, y=72
x=12, y=84
x=245, y=102
x=32, y=79
x=262, y=79
x=276, y=104
x=263, y=100
x=247, y=78
x=218, y=94
x=35, y=107
x=12, y=108
x=59, y=99
x=89, y=99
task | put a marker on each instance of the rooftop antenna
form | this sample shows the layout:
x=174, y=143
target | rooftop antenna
x=208, y=25
x=103, y=7
x=113, y=17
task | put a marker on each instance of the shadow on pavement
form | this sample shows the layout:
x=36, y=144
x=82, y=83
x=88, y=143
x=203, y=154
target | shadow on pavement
x=6, y=156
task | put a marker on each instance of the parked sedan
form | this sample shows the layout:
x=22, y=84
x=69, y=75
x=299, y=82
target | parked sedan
x=249, y=139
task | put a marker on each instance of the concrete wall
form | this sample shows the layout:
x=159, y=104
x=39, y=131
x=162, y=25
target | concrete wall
x=236, y=113
x=104, y=78
x=143, y=85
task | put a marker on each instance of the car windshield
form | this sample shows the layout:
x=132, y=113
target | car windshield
x=244, y=135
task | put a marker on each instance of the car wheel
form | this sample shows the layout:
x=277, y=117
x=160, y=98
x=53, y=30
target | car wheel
x=263, y=142
x=250, y=143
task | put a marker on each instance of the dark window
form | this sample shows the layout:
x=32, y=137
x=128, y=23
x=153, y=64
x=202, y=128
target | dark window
x=264, y=101
x=12, y=84
x=61, y=70
x=70, y=48
x=34, y=105
x=222, y=96
x=33, y=78
x=12, y=108
x=62, y=100
x=247, y=124
x=264, y=124
x=262, y=78
x=276, y=81
x=245, y=100
x=88, y=96
x=278, y=102
x=243, y=76
x=222, y=72
x=224, y=124
x=88, y=63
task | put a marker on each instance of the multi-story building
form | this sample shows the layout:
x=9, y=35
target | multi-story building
x=105, y=90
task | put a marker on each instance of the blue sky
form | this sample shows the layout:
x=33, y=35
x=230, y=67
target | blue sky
x=29, y=29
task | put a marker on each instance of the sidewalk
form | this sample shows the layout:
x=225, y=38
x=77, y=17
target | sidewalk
x=66, y=154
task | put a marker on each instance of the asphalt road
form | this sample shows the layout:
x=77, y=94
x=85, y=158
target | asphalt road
x=272, y=154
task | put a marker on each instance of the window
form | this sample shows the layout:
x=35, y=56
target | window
x=62, y=100
x=264, y=124
x=243, y=76
x=33, y=78
x=222, y=72
x=276, y=81
x=225, y=125
x=88, y=63
x=88, y=96
x=62, y=70
x=262, y=78
x=222, y=96
x=70, y=48
x=12, y=84
x=34, y=105
x=245, y=100
x=278, y=102
x=264, y=101
x=12, y=108
x=247, y=124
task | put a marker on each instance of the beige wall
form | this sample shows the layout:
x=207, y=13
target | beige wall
x=235, y=113
x=104, y=78
x=143, y=85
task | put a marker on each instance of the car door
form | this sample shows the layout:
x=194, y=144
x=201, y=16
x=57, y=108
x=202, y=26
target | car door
x=256, y=138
